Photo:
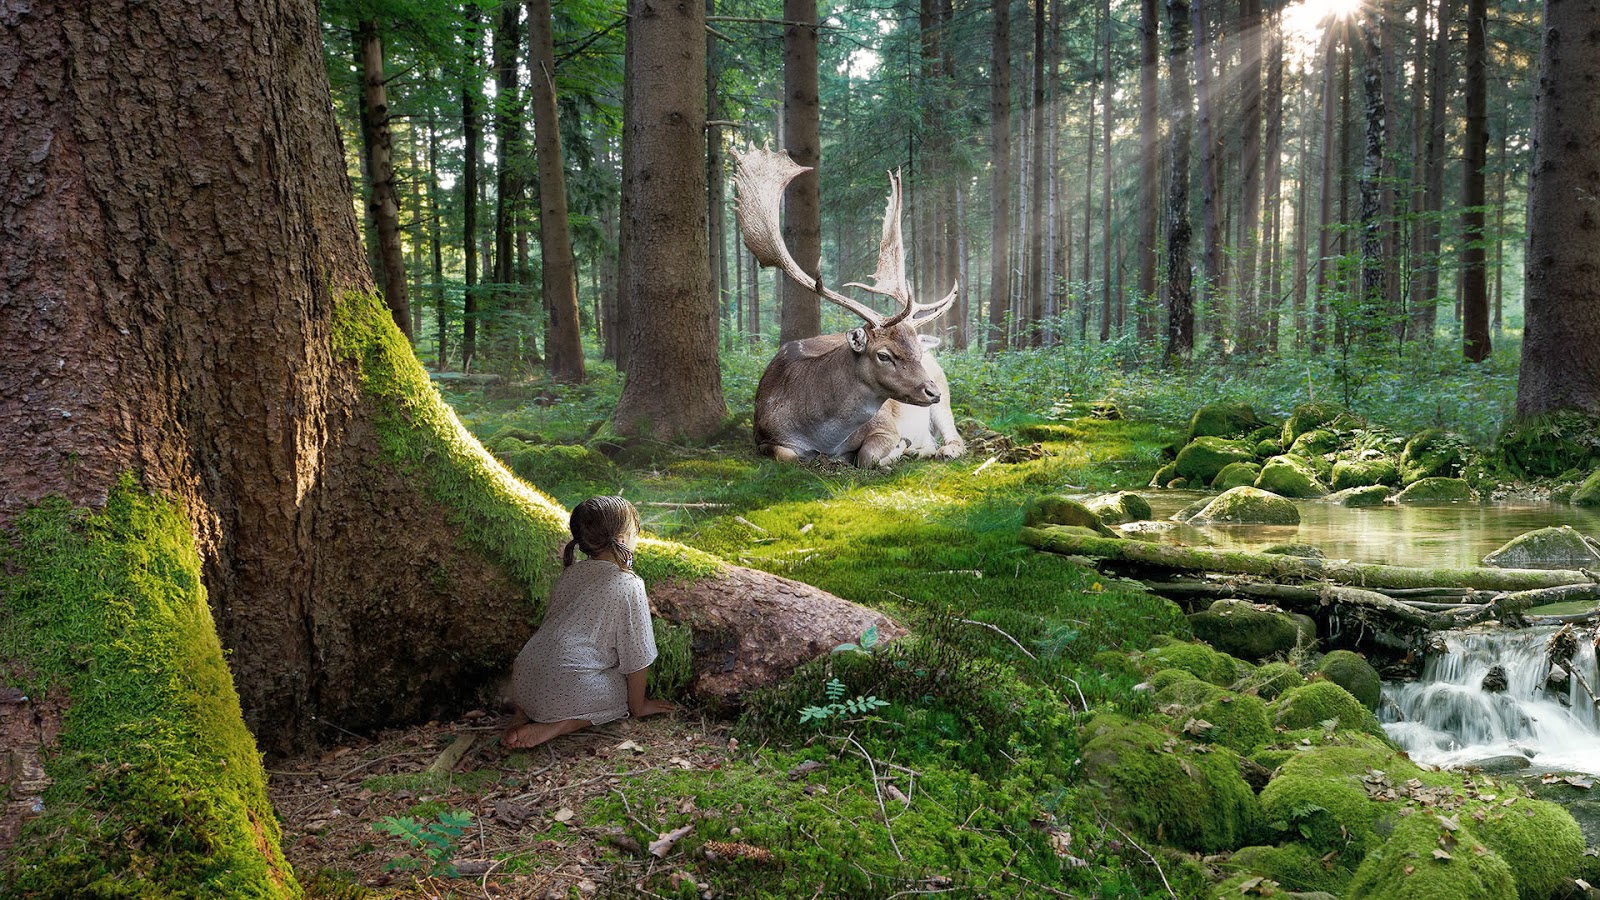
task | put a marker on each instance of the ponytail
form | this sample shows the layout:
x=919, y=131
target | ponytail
x=567, y=553
x=599, y=523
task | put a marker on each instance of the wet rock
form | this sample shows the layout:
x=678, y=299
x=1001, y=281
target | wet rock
x=1432, y=454
x=1434, y=489
x=1290, y=476
x=1353, y=473
x=1588, y=493
x=1242, y=629
x=1353, y=673
x=1225, y=420
x=1239, y=474
x=1119, y=508
x=1557, y=679
x=1494, y=682
x=1204, y=457
x=1546, y=548
x=1500, y=765
x=1055, y=509
x=1249, y=506
x=1370, y=495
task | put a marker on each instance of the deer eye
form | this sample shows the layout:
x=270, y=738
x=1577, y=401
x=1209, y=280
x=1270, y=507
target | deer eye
x=883, y=356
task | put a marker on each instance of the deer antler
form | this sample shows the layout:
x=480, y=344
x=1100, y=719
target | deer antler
x=890, y=278
x=761, y=177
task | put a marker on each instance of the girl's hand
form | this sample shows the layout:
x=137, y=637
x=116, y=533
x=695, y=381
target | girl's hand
x=652, y=707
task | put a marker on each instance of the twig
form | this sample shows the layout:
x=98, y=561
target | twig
x=1147, y=855
x=1080, y=692
x=1002, y=633
x=684, y=505
x=878, y=790
x=587, y=781
x=986, y=465
x=751, y=525
x=446, y=761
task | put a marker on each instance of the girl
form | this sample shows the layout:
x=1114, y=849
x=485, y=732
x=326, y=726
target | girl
x=586, y=665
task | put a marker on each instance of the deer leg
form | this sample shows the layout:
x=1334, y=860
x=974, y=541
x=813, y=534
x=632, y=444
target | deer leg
x=881, y=444
x=779, y=452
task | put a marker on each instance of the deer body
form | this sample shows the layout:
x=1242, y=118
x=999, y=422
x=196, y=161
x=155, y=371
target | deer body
x=826, y=396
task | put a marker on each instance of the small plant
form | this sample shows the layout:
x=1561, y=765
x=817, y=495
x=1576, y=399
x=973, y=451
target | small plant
x=868, y=640
x=838, y=707
x=436, y=841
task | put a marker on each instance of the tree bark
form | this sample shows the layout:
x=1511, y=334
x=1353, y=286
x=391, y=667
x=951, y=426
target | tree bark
x=1330, y=164
x=436, y=243
x=1250, y=176
x=1370, y=306
x=674, y=383
x=1474, y=272
x=799, y=309
x=1426, y=315
x=1561, y=340
x=1107, y=78
x=564, y=342
x=1213, y=304
x=1272, y=305
x=472, y=133
x=1038, y=178
x=1149, y=165
x=1179, y=299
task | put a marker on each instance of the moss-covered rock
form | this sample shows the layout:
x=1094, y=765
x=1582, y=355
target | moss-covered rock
x=1290, y=476
x=1224, y=420
x=1245, y=630
x=1293, y=866
x=1175, y=687
x=1354, y=473
x=1321, y=701
x=1054, y=509
x=1200, y=461
x=1163, y=679
x=1540, y=841
x=1319, y=795
x=1113, y=664
x=1432, y=454
x=1371, y=495
x=1353, y=673
x=1167, y=792
x=1315, y=442
x=1193, y=509
x=1164, y=475
x=1269, y=680
x=1200, y=661
x=1435, y=490
x=1249, y=506
x=1408, y=865
x=1239, y=474
x=1118, y=508
x=1557, y=547
x=1587, y=493
x=1238, y=722
x=1269, y=448
x=1306, y=417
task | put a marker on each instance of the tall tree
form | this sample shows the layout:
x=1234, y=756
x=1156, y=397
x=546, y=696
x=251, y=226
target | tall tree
x=1037, y=181
x=1000, y=176
x=1425, y=316
x=673, y=383
x=1370, y=306
x=564, y=342
x=1108, y=78
x=1332, y=37
x=384, y=202
x=1149, y=163
x=1251, y=39
x=1273, y=176
x=1561, y=339
x=472, y=158
x=1207, y=98
x=1474, y=271
x=800, y=312
x=1180, y=300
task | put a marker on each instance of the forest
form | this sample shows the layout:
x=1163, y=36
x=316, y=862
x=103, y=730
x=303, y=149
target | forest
x=1105, y=449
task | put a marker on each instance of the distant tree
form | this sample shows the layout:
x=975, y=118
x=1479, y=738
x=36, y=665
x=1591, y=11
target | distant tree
x=1149, y=162
x=1252, y=43
x=1039, y=177
x=1561, y=338
x=1207, y=102
x=1369, y=306
x=800, y=312
x=1474, y=256
x=1000, y=176
x=472, y=158
x=384, y=201
x=1179, y=297
x=563, y=341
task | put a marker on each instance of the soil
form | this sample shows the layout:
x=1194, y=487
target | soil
x=527, y=837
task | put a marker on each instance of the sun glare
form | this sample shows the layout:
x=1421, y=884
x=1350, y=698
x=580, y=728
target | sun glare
x=1304, y=22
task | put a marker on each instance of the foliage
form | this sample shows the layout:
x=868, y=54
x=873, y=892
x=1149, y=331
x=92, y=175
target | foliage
x=839, y=706
x=434, y=841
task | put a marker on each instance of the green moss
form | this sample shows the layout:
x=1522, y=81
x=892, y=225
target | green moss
x=1121, y=507
x=1315, y=443
x=1556, y=547
x=1203, y=458
x=1175, y=687
x=1353, y=673
x=1224, y=420
x=1238, y=722
x=564, y=469
x=1319, y=796
x=1249, y=506
x=1200, y=661
x=1320, y=701
x=157, y=788
x=1351, y=473
x=1293, y=866
x=1164, y=475
x=1549, y=445
x=1270, y=680
x=1432, y=453
x=1406, y=866
x=672, y=674
x=1538, y=840
x=1307, y=416
x=1290, y=476
x=1435, y=489
x=1240, y=628
x=1058, y=510
x=1357, y=497
x=1239, y=474
x=1166, y=792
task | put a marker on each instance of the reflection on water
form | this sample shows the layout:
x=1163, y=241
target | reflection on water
x=1453, y=534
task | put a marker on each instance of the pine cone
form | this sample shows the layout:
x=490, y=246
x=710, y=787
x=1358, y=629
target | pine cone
x=726, y=850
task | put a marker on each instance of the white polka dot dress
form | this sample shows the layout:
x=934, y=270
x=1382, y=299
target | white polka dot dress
x=596, y=631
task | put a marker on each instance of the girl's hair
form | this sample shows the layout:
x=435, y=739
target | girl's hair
x=598, y=524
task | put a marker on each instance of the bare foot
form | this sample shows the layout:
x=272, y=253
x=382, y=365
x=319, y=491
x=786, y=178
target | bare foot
x=652, y=707
x=532, y=734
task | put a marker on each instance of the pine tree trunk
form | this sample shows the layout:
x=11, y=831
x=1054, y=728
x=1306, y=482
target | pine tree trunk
x=1370, y=307
x=1212, y=303
x=1038, y=179
x=564, y=342
x=1427, y=307
x=1000, y=178
x=1180, y=302
x=800, y=309
x=1330, y=164
x=436, y=242
x=507, y=128
x=1106, y=239
x=1474, y=272
x=472, y=133
x=1149, y=165
x=1250, y=176
x=1272, y=306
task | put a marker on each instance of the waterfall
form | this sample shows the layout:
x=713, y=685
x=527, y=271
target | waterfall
x=1446, y=717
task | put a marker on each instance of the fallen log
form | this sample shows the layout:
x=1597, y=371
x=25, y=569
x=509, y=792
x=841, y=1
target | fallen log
x=1310, y=598
x=1370, y=576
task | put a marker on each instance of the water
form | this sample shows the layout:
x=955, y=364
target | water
x=1445, y=718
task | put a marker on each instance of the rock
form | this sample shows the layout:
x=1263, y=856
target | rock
x=1315, y=443
x=1432, y=454
x=1304, y=551
x=1371, y=495
x=1289, y=864
x=1224, y=420
x=1499, y=765
x=1198, y=660
x=1054, y=509
x=1557, y=680
x=1269, y=448
x=1494, y=680
x=1436, y=489
x=1353, y=673
x=1290, y=476
x=1560, y=547
x=1406, y=865
x=1204, y=457
x=1249, y=506
x=1189, y=512
x=1588, y=493
x=1242, y=629
x=1270, y=680
x=1119, y=508
x=1307, y=416
x=1539, y=840
x=1318, y=701
x=1163, y=475
x=1353, y=473
x=1239, y=474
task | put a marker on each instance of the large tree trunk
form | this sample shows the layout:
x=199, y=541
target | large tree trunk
x=1179, y=299
x=1474, y=272
x=564, y=344
x=800, y=310
x=384, y=203
x=1561, y=340
x=472, y=132
x=1000, y=177
x=1149, y=165
x=674, y=383
x=1206, y=96
x=1038, y=178
x=1427, y=306
x=1370, y=306
x=1108, y=77
x=1250, y=164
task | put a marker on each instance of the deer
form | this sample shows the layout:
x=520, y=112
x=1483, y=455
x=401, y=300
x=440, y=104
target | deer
x=922, y=432
x=827, y=395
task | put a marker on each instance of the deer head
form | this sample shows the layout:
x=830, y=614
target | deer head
x=761, y=178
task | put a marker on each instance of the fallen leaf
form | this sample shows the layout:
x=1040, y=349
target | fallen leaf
x=563, y=814
x=682, y=763
x=1449, y=824
x=661, y=846
x=895, y=793
x=804, y=769
x=630, y=745
x=1442, y=854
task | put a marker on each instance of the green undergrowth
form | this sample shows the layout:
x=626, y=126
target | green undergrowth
x=156, y=786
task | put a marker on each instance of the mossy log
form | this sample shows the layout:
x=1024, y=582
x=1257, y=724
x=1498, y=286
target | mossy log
x=1308, y=598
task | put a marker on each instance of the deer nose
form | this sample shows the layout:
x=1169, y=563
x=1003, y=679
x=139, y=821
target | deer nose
x=931, y=393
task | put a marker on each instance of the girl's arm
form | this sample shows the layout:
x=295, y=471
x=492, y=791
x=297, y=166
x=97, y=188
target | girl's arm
x=638, y=706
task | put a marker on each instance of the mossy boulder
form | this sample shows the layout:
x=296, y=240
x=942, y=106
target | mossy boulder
x=1315, y=443
x=1557, y=547
x=1245, y=630
x=1353, y=673
x=1587, y=493
x=1166, y=678
x=1353, y=473
x=1224, y=420
x=1166, y=791
x=1238, y=722
x=1175, y=687
x=1164, y=475
x=1194, y=509
x=1114, y=664
x=1308, y=416
x=1054, y=509
x=1409, y=865
x=1249, y=506
x=1435, y=490
x=1200, y=661
x=1200, y=461
x=1371, y=495
x=1123, y=506
x=1268, y=448
x=1269, y=680
x=1316, y=702
x=1540, y=841
x=1432, y=454
x=1293, y=866
x=1239, y=474
x=1319, y=795
x=1290, y=476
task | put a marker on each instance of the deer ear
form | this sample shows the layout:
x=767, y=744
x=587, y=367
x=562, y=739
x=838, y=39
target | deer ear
x=929, y=341
x=858, y=339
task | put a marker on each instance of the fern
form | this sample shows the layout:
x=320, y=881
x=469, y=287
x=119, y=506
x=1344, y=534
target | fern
x=436, y=841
